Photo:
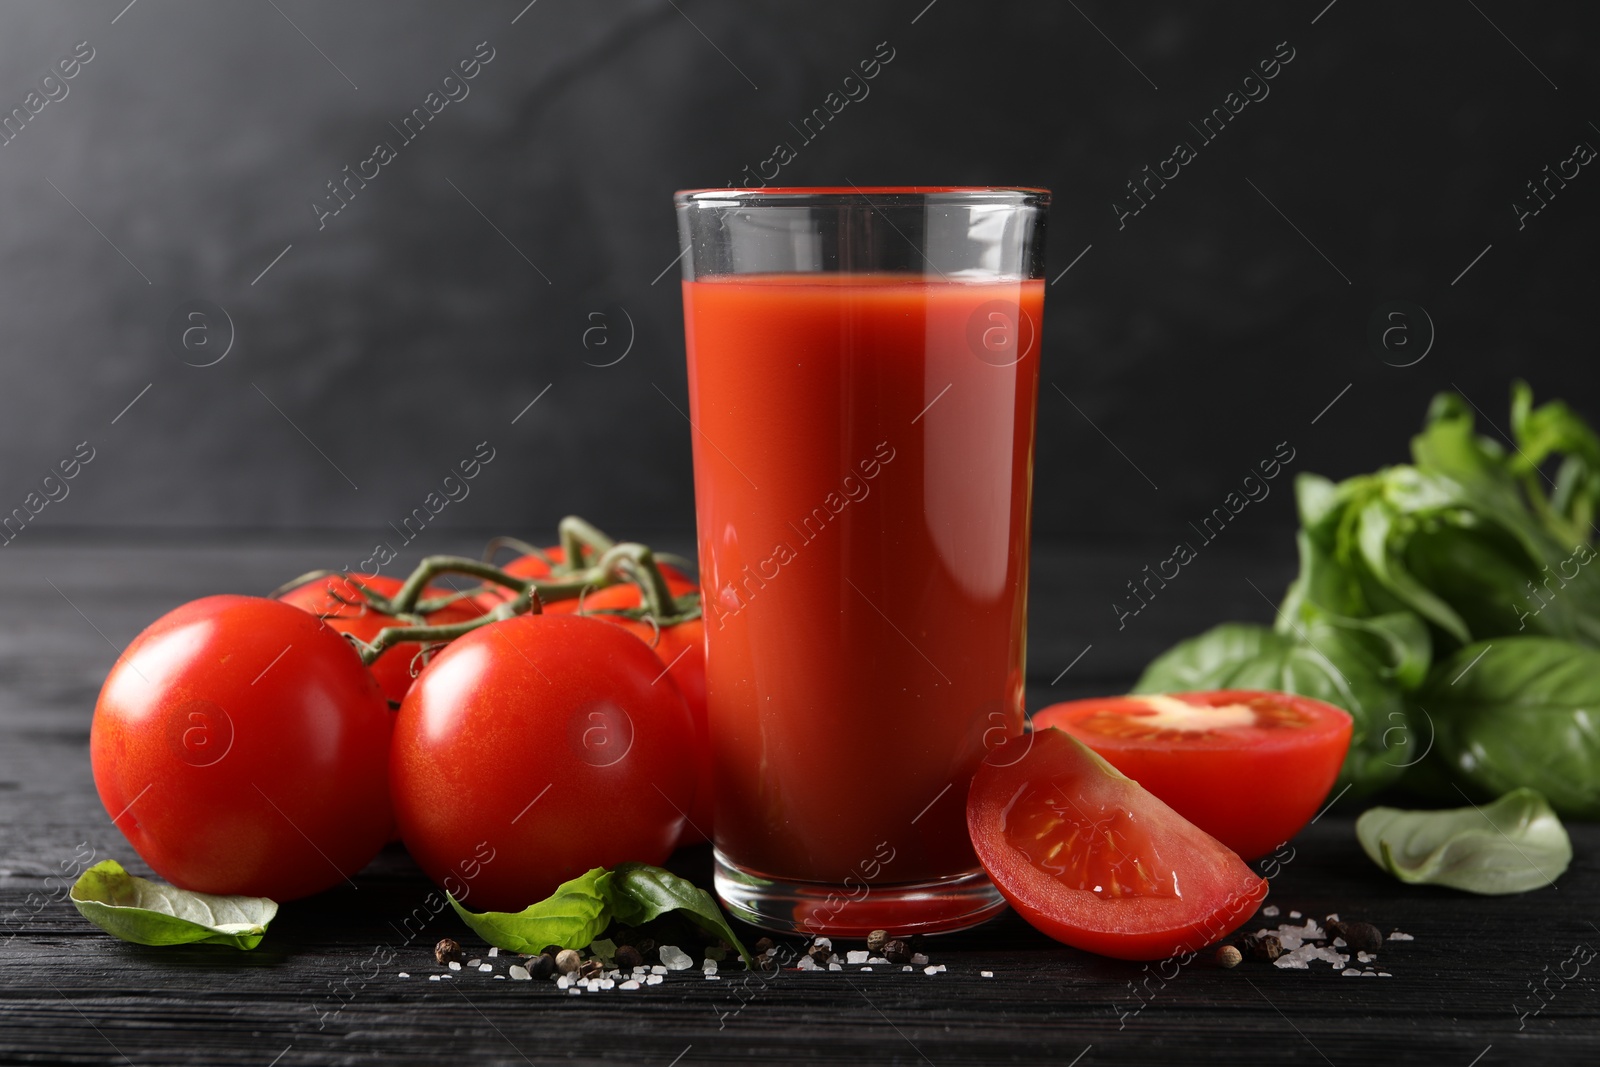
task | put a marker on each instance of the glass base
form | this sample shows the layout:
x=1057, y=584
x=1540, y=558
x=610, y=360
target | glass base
x=940, y=906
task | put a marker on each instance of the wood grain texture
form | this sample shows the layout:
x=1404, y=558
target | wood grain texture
x=323, y=986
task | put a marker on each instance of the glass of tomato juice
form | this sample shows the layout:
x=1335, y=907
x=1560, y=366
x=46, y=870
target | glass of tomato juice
x=863, y=380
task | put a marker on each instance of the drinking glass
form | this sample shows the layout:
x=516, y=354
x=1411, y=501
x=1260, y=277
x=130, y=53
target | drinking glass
x=863, y=379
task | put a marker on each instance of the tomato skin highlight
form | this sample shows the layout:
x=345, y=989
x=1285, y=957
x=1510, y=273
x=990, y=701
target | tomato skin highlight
x=326, y=598
x=1252, y=787
x=241, y=747
x=534, y=749
x=1186, y=889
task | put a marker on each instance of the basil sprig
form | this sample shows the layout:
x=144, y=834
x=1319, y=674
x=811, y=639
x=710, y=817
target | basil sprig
x=580, y=910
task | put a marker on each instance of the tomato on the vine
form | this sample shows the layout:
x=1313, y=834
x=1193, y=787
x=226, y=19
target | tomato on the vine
x=241, y=747
x=681, y=648
x=549, y=744
x=336, y=599
x=1249, y=768
x=1090, y=858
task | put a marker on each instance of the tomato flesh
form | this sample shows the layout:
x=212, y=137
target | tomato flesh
x=1090, y=858
x=1248, y=767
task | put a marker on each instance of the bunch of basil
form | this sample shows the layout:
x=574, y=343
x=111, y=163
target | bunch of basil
x=1448, y=605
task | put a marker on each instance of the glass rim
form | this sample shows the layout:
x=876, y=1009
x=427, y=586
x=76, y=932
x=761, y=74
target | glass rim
x=797, y=195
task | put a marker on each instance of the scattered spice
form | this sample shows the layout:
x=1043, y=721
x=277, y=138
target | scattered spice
x=627, y=958
x=764, y=945
x=1228, y=956
x=897, y=951
x=1363, y=937
x=542, y=967
x=1264, y=946
x=591, y=969
x=567, y=960
x=447, y=951
x=876, y=940
x=820, y=954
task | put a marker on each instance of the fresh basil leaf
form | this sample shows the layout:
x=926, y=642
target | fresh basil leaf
x=1320, y=665
x=1522, y=711
x=1511, y=846
x=640, y=893
x=151, y=913
x=573, y=916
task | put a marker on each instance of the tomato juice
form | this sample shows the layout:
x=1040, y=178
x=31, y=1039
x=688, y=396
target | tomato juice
x=863, y=455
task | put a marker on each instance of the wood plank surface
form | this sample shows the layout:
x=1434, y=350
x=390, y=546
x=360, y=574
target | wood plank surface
x=323, y=986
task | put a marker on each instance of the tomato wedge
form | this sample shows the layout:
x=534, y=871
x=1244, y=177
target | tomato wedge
x=1248, y=767
x=1089, y=857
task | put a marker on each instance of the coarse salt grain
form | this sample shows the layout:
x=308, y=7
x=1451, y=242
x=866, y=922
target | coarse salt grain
x=433, y=978
x=1351, y=972
x=866, y=968
x=564, y=981
x=473, y=963
x=1294, y=915
x=876, y=959
x=656, y=968
x=1270, y=911
x=675, y=958
x=709, y=966
x=655, y=979
x=575, y=991
x=1385, y=974
x=919, y=959
x=1398, y=936
x=485, y=967
x=608, y=983
x=986, y=974
x=713, y=977
x=932, y=970
x=493, y=952
x=835, y=965
x=807, y=964
x=520, y=973
x=1365, y=957
x=908, y=967
x=403, y=974
x=823, y=942
x=455, y=965
x=629, y=984
x=856, y=955
x=499, y=978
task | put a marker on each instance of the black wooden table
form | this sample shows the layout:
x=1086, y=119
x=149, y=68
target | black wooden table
x=323, y=987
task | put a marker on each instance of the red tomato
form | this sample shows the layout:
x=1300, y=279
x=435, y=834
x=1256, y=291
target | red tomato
x=682, y=651
x=1090, y=858
x=339, y=605
x=534, y=749
x=241, y=747
x=528, y=566
x=531, y=566
x=1249, y=768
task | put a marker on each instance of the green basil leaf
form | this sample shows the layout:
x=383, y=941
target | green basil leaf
x=640, y=893
x=1325, y=667
x=573, y=916
x=151, y=913
x=1522, y=711
x=1511, y=846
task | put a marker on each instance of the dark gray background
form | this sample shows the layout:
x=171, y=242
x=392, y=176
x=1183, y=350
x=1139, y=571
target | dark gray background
x=1208, y=330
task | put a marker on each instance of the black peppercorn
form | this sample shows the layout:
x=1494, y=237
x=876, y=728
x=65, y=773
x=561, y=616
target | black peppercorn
x=1264, y=947
x=897, y=951
x=820, y=954
x=550, y=950
x=627, y=958
x=1362, y=937
x=447, y=951
x=542, y=966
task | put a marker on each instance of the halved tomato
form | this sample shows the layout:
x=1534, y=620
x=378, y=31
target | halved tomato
x=1248, y=767
x=1089, y=857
